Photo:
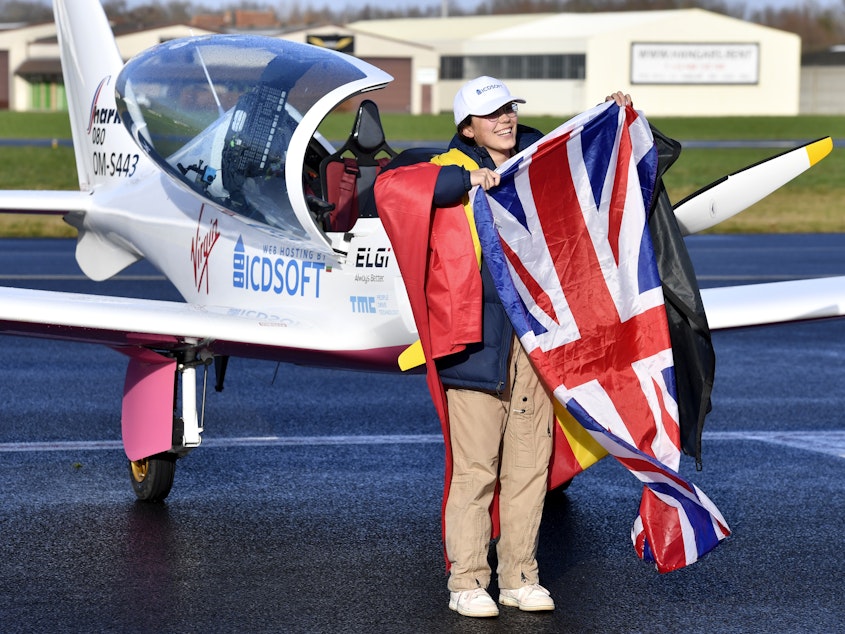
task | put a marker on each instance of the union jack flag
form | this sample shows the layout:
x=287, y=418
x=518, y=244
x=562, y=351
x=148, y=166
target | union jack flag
x=566, y=237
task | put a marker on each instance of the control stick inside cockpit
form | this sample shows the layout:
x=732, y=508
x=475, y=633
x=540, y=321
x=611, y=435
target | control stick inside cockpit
x=205, y=174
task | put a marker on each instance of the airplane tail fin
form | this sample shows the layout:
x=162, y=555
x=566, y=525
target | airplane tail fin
x=90, y=64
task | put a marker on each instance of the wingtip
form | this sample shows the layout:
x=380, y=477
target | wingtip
x=412, y=357
x=817, y=150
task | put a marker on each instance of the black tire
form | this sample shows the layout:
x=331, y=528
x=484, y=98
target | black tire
x=152, y=478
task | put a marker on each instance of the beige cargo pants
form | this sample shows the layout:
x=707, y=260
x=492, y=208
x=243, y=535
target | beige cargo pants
x=504, y=438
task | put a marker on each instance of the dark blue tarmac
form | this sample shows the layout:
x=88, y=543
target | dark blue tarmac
x=313, y=532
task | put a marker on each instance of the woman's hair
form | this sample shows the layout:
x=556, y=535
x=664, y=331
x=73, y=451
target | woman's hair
x=465, y=124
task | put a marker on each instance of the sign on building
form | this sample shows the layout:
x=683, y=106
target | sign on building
x=336, y=42
x=695, y=63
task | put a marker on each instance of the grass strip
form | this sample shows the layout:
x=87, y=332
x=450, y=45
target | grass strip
x=812, y=203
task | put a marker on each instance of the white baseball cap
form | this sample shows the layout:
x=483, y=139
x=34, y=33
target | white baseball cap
x=481, y=96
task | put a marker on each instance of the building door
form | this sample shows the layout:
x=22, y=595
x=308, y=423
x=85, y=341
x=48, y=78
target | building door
x=4, y=80
x=396, y=96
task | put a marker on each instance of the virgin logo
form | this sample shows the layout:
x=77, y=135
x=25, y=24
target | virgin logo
x=201, y=246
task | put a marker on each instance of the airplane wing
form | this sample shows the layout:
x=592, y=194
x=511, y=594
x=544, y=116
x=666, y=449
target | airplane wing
x=129, y=322
x=774, y=302
x=735, y=192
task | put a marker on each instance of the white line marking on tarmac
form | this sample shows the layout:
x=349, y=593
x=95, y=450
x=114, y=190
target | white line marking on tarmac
x=81, y=278
x=759, y=278
x=244, y=441
x=826, y=442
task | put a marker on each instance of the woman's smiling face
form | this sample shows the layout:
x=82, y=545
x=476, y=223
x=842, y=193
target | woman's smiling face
x=496, y=132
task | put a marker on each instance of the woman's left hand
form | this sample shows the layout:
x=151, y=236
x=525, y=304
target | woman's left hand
x=620, y=98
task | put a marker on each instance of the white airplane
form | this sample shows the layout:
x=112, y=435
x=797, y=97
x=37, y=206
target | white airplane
x=202, y=155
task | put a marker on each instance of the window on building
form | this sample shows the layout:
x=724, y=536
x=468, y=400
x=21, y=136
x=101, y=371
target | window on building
x=565, y=66
x=451, y=67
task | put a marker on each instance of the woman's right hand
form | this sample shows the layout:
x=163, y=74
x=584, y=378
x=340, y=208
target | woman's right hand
x=484, y=177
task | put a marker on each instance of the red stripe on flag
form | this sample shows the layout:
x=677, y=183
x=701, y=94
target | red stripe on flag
x=540, y=297
x=564, y=465
x=620, y=190
x=670, y=425
x=663, y=532
x=644, y=466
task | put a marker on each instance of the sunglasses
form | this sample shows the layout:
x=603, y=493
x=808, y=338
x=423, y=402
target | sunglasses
x=509, y=109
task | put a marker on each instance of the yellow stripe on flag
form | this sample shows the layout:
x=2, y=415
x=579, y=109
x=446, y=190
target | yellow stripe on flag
x=585, y=449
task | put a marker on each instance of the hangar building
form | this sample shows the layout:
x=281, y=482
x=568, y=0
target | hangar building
x=823, y=81
x=31, y=72
x=413, y=65
x=674, y=63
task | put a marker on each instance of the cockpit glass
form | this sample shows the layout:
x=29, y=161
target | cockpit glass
x=219, y=112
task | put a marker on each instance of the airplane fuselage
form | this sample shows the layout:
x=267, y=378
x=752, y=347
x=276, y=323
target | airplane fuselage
x=256, y=253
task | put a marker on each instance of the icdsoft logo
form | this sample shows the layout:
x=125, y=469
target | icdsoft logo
x=481, y=91
x=263, y=273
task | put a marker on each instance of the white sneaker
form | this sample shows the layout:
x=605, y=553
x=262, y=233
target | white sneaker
x=533, y=598
x=475, y=602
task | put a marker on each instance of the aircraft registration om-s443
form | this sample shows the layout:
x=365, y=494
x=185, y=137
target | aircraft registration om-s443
x=203, y=156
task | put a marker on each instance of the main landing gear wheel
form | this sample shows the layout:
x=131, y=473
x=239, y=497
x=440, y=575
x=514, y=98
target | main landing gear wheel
x=152, y=478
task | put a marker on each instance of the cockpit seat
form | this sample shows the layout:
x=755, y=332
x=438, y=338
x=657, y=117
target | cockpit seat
x=347, y=176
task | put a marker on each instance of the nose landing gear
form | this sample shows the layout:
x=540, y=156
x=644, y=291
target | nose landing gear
x=152, y=478
x=177, y=423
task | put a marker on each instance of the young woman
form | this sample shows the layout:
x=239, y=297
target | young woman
x=496, y=415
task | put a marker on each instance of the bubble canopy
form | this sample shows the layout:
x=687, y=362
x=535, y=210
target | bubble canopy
x=232, y=117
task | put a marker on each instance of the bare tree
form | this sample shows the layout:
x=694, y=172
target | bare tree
x=31, y=12
x=819, y=28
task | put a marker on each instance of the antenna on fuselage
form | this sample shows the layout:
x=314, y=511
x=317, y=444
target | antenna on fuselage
x=220, y=110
